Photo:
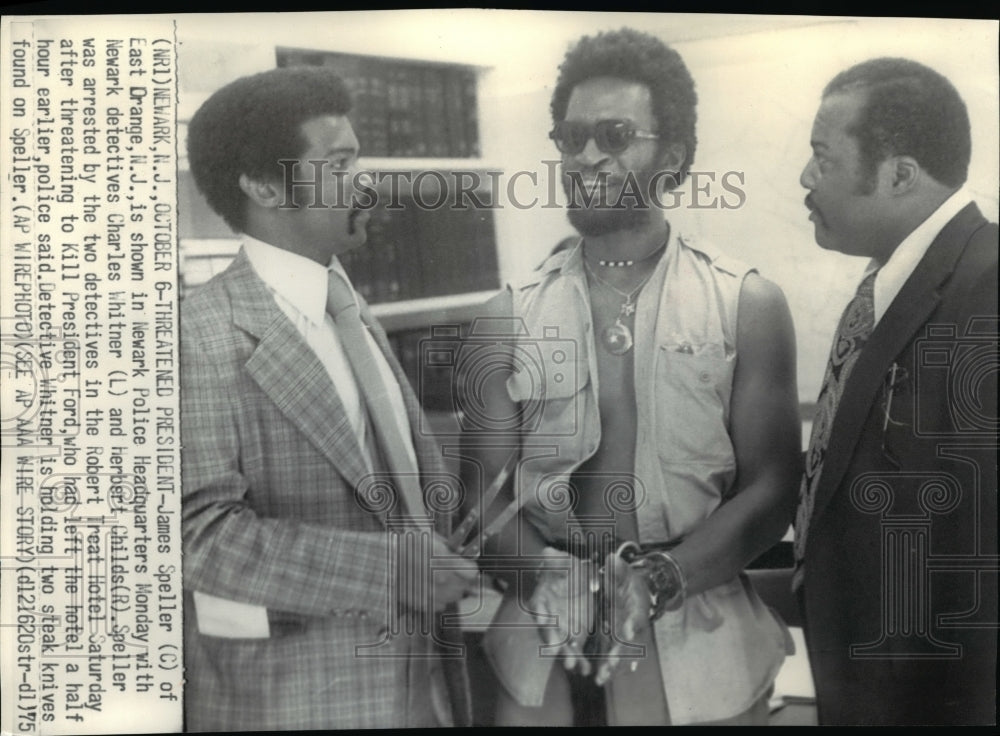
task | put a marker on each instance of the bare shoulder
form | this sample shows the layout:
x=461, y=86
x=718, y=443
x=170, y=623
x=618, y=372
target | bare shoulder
x=763, y=307
x=759, y=295
x=765, y=333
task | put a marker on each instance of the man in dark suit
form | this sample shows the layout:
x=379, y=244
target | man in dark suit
x=299, y=612
x=896, y=531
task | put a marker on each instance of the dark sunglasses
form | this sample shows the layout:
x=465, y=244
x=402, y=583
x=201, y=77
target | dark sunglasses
x=611, y=136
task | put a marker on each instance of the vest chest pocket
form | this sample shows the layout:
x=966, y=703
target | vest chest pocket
x=692, y=393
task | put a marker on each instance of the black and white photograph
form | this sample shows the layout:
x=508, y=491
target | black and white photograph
x=475, y=367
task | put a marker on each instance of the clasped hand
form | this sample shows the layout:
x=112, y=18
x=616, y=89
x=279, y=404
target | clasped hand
x=566, y=603
x=430, y=582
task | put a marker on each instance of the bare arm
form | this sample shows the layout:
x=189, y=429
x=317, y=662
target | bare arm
x=484, y=453
x=519, y=548
x=766, y=435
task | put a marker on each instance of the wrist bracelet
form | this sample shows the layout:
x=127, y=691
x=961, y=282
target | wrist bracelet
x=664, y=577
x=666, y=582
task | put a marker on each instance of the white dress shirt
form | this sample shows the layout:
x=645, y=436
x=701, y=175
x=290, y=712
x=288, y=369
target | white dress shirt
x=904, y=260
x=299, y=287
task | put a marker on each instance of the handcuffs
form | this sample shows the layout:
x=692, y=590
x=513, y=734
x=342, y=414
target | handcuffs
x=664, y=577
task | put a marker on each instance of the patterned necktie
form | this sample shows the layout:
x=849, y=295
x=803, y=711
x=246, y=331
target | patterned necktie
x=855, y=328
x=342, y=306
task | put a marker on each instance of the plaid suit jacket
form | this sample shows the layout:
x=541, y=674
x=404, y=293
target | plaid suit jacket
x=270, y=519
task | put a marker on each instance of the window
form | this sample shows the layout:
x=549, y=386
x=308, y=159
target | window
x=418, y=120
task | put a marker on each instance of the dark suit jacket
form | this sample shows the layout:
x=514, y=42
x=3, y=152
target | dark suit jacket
x=900, y=592
x=272, y=520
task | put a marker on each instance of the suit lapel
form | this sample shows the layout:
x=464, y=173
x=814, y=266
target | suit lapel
x=908, y=312
x=290, y=374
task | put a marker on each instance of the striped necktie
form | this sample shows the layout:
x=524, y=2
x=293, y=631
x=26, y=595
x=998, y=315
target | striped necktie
x=855, y=328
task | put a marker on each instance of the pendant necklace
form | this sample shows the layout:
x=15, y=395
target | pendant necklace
x=617, y=339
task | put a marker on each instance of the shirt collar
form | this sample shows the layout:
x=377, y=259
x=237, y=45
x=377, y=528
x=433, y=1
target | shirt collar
x=904, y=260
x=297, y=279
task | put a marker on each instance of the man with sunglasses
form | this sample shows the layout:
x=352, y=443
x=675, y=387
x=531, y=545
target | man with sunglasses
x=659, y=437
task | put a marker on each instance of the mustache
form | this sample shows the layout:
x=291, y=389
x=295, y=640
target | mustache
x=600, y=178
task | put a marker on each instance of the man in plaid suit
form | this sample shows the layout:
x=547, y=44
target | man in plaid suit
x=299, y=612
